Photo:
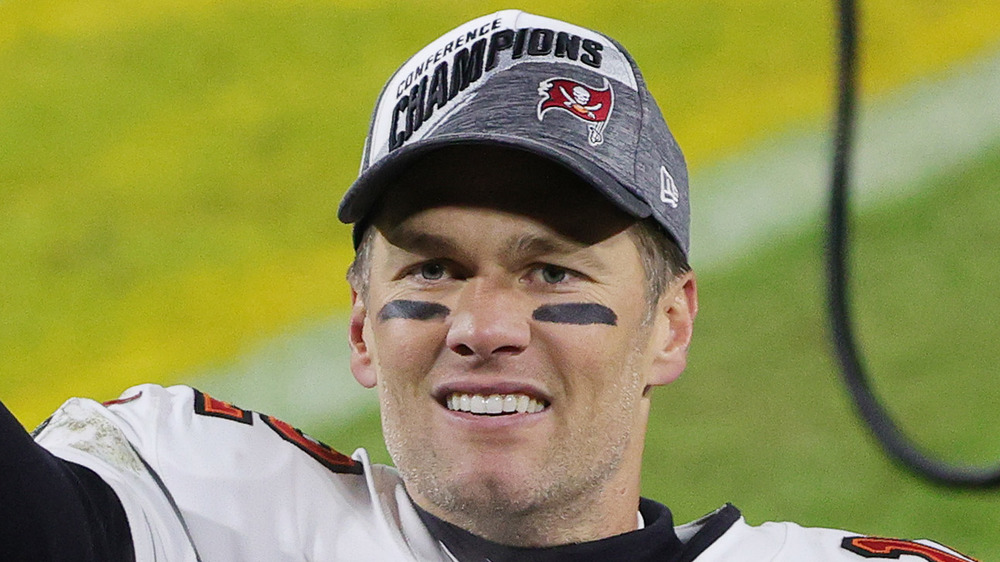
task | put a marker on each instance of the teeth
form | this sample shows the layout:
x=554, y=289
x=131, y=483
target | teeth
x=494, y=404
x=478, y=404
x=522, y=403
x=509, y=403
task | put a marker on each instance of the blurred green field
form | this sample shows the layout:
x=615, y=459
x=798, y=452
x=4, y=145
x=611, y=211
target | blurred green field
x=169, y=174
x=169, y=171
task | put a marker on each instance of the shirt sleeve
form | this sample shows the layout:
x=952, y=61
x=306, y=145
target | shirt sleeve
x=52, y=509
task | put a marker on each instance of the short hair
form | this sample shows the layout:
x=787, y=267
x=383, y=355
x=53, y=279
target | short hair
x=661, y=257
x=359, y=272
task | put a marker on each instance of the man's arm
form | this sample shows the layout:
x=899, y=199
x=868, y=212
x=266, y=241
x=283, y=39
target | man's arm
x=52, y=509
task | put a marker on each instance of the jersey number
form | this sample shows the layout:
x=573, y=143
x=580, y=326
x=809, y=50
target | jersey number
x=874, y=547
x=318, y=450
x=207, y=406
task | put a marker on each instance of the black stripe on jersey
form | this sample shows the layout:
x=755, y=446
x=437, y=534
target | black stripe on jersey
x=715, y=525
x=170, y=499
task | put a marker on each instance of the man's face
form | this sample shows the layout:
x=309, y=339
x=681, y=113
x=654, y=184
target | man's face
x=498, y=281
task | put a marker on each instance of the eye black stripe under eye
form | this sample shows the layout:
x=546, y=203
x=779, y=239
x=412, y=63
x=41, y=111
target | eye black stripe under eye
x=576, y=313
x=413, y=310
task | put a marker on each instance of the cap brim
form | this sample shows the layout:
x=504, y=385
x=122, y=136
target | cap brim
x=372, y=183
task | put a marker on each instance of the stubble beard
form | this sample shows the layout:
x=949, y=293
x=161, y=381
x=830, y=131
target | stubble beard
x=524, y=509
x=530, y=507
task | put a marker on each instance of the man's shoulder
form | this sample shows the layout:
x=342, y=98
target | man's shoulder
x=786, y=541
x=231, y=483
x=194, y=424
x=180, y=426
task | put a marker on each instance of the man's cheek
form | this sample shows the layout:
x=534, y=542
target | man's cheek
x=407, y=350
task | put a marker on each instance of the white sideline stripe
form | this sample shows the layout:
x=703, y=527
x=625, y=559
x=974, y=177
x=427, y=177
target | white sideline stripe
x=740, y=203
x=920, y=131
x=301, y=376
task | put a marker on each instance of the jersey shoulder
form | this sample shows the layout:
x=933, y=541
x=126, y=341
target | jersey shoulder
x=200, y=475
x=787, y=542
x=184, y=422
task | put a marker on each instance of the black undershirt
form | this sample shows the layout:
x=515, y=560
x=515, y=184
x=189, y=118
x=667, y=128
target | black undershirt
x=656, y=541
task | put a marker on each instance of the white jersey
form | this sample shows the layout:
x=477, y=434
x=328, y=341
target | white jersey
x=200, y=479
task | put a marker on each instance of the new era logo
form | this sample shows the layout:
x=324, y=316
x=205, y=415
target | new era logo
x=668, y=189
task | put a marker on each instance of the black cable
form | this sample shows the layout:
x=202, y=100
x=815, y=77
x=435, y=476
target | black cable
x=890, y=436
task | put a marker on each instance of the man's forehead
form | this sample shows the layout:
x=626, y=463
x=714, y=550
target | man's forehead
x=431, y=235
x=505, y=181
x=428, y=233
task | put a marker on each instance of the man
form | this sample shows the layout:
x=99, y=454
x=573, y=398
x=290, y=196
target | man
x=520, y=286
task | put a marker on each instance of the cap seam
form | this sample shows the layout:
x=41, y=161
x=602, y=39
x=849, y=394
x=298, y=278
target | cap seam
x=641, y=87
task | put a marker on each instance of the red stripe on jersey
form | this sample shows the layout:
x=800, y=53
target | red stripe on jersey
x=877, y=547
x=318, y=450
x=124, y=400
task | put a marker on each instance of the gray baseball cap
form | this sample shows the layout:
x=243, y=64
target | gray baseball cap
x=538, y=84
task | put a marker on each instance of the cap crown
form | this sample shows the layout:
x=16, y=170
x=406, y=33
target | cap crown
x=516, y=79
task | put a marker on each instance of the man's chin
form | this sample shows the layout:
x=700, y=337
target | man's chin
x=489, y=495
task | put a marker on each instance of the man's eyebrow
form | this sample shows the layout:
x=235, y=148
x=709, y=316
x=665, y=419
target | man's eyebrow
x=529, y=246
x=423, y=243
x=518, y=247
x=533, y=245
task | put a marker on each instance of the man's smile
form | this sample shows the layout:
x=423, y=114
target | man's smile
x=494, y=404
x=494, y=399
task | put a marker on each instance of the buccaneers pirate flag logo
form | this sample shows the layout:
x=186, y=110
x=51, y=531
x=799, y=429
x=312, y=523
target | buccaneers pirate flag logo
x=581, y=101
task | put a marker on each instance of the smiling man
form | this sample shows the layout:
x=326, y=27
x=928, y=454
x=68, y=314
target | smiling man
x=507, y=321
x=520, y=287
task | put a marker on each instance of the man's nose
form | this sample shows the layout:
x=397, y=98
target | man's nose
x=489, y=320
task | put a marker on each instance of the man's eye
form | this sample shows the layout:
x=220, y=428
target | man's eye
x=553, y=275
x=432, y=271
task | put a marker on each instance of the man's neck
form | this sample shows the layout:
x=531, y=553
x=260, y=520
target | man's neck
x=656, y=541
x=574, y=523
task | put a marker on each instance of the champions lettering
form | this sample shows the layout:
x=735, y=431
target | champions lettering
x=438, y=87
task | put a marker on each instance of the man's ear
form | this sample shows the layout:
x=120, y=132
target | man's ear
x=672, y=330
x=362, y=365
